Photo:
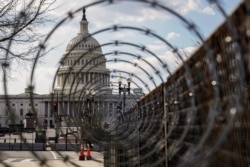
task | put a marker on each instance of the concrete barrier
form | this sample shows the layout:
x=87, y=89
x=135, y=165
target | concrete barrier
x=65, y=147
x=4, y=146
x=23, y=146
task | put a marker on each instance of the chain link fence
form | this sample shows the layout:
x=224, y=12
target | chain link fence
x=192, y=115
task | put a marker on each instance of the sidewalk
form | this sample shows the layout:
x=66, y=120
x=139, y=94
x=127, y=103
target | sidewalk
x=59, y=163
x=73, y=161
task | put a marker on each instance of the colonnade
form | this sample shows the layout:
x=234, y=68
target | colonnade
x=83, y=78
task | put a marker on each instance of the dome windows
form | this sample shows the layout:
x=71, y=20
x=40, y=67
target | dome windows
x=84, y=55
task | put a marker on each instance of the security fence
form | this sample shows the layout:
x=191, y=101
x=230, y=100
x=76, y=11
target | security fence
x=192, y=114
x=199, y=117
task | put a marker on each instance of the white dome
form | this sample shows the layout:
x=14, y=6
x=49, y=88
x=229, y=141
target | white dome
x=83, y=42
x=80, y=71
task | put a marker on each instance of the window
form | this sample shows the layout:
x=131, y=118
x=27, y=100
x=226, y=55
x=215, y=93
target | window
x=21, y=112
x=50, y=123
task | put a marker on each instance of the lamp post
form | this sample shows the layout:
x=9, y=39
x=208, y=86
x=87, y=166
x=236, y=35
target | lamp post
x=92, y=101
x=32, y=140
x=124, y=90
x=56, y=116
x=90, y=112
x=9, y=123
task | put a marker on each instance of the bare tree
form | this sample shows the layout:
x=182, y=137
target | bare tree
x=20, y=21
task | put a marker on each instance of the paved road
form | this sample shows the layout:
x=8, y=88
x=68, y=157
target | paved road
x=33, y=159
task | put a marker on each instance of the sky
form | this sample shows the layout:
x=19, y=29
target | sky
x=124, y=13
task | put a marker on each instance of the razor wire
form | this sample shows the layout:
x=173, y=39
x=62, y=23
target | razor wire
x=156, y=129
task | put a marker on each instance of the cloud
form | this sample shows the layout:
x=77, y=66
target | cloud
x=149, y=66
x=188, y=6
x=208, y=10
x=116, y=13
x=172, y=35
x=154, y=48
x=44, y=75
x=20, y=79
x=122, y=16
x=124, y=34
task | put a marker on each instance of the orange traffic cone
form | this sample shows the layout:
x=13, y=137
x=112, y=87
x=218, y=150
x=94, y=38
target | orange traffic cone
x=81, y=155
x=88, y=154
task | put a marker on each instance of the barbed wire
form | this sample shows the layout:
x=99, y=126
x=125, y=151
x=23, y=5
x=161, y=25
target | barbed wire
x=186, y=114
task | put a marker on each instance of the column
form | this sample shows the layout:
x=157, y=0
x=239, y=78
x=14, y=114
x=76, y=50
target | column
x=83, y=78
x=68, y=76
x=108, y=79
x=89, y=79
x=95, y=77
x=101, y=78
x=98, y=78
x=62, y=81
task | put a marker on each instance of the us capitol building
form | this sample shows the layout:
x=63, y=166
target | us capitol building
x=81, y=78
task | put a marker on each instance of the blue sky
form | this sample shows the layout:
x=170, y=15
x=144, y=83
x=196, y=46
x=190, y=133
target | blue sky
x=203, y=14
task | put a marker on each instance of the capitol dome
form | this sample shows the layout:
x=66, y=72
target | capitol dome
x=83, y=66
x=83, y=42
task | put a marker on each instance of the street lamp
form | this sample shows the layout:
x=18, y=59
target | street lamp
x=9, y=123
x=33, y=132
x=90, y=107
x=90, y=111
x=124, y=90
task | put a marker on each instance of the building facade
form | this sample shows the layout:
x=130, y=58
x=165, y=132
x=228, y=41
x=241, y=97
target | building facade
x=82, y=84
x=20, y=105
x=83, y=66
